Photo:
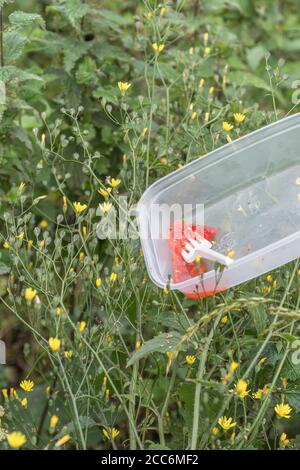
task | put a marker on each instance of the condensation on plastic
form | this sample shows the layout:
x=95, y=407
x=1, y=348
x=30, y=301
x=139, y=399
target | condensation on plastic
x=250, y=196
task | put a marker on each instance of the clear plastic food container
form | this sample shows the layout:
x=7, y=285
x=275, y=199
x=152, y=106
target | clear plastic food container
x=250, y=190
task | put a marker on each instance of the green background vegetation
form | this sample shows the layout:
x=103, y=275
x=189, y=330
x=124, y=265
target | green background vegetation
x=64, y=129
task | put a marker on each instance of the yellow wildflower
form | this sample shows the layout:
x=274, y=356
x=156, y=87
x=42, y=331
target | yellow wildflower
x=241, y=388
x=194, y=116
x=30, y=294
x=138, y=345
x=158, y=47
x=190, y=360
x=68, y=354
x=227, y=127
x=107, y=393
x=201, y=83
x=5, y=392
x=224, y=320
x=170, y=355
x=82, y=326
x=6, y=245
x=205, y=38
x=59, y=311
x=207, y=51
x=21, y=187
x=283, y=410
x=258, y=394
x=114, y=182
x=79, y=207
x=284, y=441
x=13, y=392
x=124, y=86
x=53, y=421
x=162, y=11
x=98, y=282
x=16, y=440
x=43, y=224
x=110, y=433
x=113, y=277
x=27, y=385
x=233, y=366
x=81, y=255
x=262, y=361
x=24, y=402
x=284, y=381
x=104, y=192
x=21, y=236
x=215, y=431
x=65, y=203
x=54, y=344
x=63, y=440
x=226, y=423
x=239, y=118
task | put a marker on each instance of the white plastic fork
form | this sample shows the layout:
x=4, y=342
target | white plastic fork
x=199, y=246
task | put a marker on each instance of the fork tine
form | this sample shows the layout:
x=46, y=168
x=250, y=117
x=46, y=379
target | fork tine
x=193, y=242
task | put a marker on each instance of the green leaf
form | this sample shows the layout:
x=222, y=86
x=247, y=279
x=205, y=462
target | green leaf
x=161, y=343
x=73, y=51
x=75, y=10
x=255, y=56
x=86, y=71
x=10, y=72
x=259, y=317
x=4, y=269
x=13, y=45
x=22, y=19
x=247, y=79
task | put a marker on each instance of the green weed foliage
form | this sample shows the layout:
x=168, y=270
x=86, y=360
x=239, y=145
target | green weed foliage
x=119, y=362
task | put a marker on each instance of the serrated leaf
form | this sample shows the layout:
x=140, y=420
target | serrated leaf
x=161, y=343
x=10, y=72
x=75, y=10
x=86, y=71
x=73, y=51
x=22, y=19
x=13, y=45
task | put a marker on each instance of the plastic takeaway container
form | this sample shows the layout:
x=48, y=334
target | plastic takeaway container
x=250, y=190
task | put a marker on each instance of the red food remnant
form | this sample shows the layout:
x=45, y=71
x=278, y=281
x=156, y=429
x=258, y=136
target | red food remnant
x=179, y=234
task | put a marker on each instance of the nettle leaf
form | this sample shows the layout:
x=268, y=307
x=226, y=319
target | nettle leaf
x=75, y=10
x=10, y=72
x=161, y=343
x=86, y=71
x=21, y=19
x=13, y=45
x=73, y=50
